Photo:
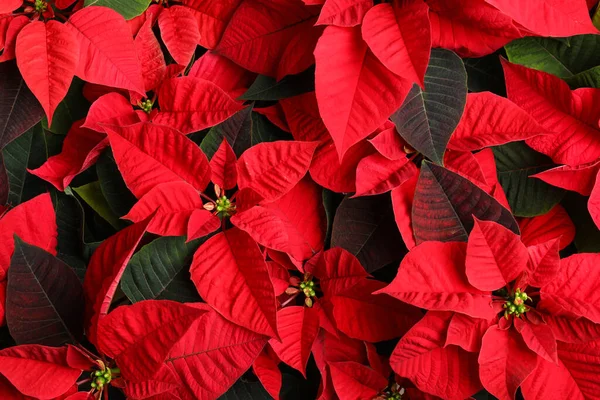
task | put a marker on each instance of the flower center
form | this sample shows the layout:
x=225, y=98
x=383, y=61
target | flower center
x=308, y=288
x=224, y=206
x=40, y=6
x=515, y=305
x=101, y=378
x=393, y=392
x=146, y=105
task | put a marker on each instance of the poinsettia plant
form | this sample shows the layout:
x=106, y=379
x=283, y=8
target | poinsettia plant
x=299, y=199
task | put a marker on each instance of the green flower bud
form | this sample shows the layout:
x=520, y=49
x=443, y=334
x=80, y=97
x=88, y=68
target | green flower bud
x=98, y=373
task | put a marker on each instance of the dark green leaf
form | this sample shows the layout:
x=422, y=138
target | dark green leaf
x=365, y=226
x=485, y=74
x=160, y=270
x=237, y=129
x=264, y=131
x=331, y=202
x=427, y=118
x=44, y=298
x=445, y=203
x=267, y=88
x=587, y=235
x=115, y=191
x=527, y=197
x=26, y=151
x=93, y=196
x=73, y=108
x=127, y=8
x=246, y=391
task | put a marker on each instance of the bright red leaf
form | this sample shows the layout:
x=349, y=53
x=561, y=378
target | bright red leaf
x=180, y=32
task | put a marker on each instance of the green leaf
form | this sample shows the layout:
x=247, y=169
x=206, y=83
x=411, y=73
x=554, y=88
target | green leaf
x=577, y=62
x=267, y=88
x=485, y=74
x=237, y=129
x=127, y=8
x=160, y=270
x=587, y=235
x=26, y=151
x=73, y=108
x=427, y=118
x=265, y=131
x=93, y=196
x=244, y=390
x=331, y=202
x=114, y=189
x=70, y=223
x=527, y=197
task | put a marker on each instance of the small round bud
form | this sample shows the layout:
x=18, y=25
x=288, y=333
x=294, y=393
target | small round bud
x=93, y=385
x=98, y=373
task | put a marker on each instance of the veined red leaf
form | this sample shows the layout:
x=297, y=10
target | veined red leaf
x=574, y=287
x=354, y=381
x=271, y=37
x=389, y=144
x=444, y=288
x=163, y=383
x=466, y=332
x=552, y=225
x=139, y=337
x=223, y=166
x=362, y=315
x=445, y=203
x=180, y=32
x=201, y=223
x=272, y=169
x=191, y=104
x=44, y=298
x=47, y=55
x=194, y=357
x=38, y=371
x=495, y=256
x=107, y=51
x=298, y=327
x=148, y=155
x=231, y=275
x=338, y=270
x=577, y=178
x=355, y=91
x=344, y=13
x=420, y=356
x=222, y=72
x=551, y=379
x=173, y=202
x=472, y=28
x=108, y=109
x=376, y=174
x=582, y=362
x=398, y=34
x=500, y=374
x=544, y=262
x=12, y=33
x=491, y=120
x=549, y=17
x=151, y=56
x=267, y=371
x=212, y=17
x=402, y=203
x=538, y=338
x=80, y=150
x=105, y=270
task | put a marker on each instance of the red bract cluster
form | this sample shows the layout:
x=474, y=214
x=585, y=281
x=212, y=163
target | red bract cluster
x=299, y=199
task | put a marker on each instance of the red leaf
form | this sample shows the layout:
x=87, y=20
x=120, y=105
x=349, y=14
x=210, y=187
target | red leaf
x=151, y=56
x=195, y=357
x=355, y=91
x=495, y=256
x=212, y=17
x=105, y=270
x=35, y=223
x=192, y=104
x=174, y=203
x=298, y=328
x=376, y=174
x=471, y=28
x=448, y=372
x=140, y=336
x=594, y=203
x=444, y=288
x=551, y=380
x=566, y=114
x=272, y=169
x=402, y=201
x=222, y=165
x=10, y=5
x=354, y=381
x=109, y=109
x=201, y=223
x=466, y=332
x=223, y=72
x=549, y=17
x=569, y=330
x=12, y=33
x=107, y=51
x=266, y=370
x=544, y=263
x=491, y=120
x=38, y=371
x=390, y=144
x=80, y=150
x=583, y=363
x=47, y=55
x=271, y=37
x=344, y=13
x=538, y=338
x=504, y=362
x=180, y=32
x=338, y=270
x=279, y=276
x=369, y=317
x=574, y=287
x=398, y=34
x=552, y=225
x=163, y=383
x=577, y=178
x=231, y=275
x=148, y=155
